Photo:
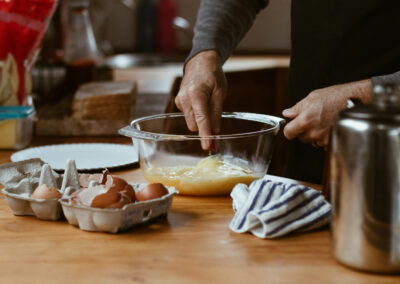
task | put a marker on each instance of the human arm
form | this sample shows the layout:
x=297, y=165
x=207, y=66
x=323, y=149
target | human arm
x=201, y=94
x=313, y=116
x=219, y=28
x=222, y=24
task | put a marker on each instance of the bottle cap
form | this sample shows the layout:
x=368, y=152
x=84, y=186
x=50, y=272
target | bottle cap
x=78, y=4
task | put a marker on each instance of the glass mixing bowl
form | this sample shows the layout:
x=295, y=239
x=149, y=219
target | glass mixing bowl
x=172, y=155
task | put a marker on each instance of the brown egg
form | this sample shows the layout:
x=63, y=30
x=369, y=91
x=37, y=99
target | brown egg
x=46, y=192
x=151, y=191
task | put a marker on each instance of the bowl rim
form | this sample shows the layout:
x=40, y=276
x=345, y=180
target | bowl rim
x=274, y=121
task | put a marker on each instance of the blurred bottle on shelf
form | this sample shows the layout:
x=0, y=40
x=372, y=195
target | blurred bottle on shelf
x=80, y=51
x=146, y=12
x=53, y=39
x=166, y=30
x=48, y=73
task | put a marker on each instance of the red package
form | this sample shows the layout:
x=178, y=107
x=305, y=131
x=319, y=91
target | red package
x=23, y=24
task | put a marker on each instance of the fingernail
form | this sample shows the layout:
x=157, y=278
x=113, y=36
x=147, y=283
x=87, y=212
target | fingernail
x=205, y=144
x=287, y=111
x=214, y=146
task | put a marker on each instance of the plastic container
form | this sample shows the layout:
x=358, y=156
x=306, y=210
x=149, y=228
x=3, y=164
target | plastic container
x=16, y=126
x=172, y=155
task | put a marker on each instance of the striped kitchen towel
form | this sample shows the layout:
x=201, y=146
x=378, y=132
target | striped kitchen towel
x=271, y=209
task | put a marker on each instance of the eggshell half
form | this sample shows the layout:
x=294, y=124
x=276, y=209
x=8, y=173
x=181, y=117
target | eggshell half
x=98, y=196
x=124, y=199
x=46, y=192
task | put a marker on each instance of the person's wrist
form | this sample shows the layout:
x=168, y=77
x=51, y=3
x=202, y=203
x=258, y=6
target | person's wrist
x=208, y=57
x=363, y=91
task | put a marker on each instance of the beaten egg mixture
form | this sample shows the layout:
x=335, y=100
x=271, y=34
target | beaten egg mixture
x=211, y=176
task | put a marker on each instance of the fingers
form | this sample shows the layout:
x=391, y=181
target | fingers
x=317, y=139
x=199, y=105
x=184, y=105
x=304, y=128
x=324, y=143
x=291, y=112
x=194, y=105
x=216, y=111
x=294, y=128
x=201, y=94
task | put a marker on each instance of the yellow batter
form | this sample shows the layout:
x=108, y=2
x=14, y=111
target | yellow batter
x=211, y=176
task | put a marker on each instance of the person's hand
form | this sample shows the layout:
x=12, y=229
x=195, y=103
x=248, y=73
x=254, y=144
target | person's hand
x=201, y=94
x=313, y=116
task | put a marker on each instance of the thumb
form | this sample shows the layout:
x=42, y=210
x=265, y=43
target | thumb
x=291, y=112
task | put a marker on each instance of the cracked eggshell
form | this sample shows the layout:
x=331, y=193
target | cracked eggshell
x=85, y=179
x=113, y=220
x=46, y=192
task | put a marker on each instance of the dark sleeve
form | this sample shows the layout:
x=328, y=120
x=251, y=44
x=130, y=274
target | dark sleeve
x=385, y=79
x=221, y=24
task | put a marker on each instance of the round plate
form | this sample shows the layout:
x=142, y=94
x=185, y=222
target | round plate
x=87, y=156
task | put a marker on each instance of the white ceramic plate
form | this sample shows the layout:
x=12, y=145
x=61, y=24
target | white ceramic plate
x=88, y=156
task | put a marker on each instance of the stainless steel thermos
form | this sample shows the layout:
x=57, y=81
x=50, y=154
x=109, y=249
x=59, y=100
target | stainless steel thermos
x=365, y=183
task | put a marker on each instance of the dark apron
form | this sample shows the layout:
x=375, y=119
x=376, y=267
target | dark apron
x=335, y=42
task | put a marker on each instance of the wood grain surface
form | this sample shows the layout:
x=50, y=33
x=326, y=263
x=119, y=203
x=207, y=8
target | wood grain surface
x=192, y=245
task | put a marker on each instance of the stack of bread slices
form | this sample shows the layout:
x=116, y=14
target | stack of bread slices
x=111, y=100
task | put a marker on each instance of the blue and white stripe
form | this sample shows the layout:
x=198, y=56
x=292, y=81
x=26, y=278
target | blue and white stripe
x=270, y=209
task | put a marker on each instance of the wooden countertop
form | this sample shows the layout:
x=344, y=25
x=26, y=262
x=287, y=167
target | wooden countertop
x=192, y=245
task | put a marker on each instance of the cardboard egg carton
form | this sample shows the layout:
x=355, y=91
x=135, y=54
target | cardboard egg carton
x=22, y=178
x=115, y=220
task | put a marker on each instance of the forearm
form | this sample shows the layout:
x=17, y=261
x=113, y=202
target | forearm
x=222, y=24
x=361, y=90
x=312, y=117
x=386, y=79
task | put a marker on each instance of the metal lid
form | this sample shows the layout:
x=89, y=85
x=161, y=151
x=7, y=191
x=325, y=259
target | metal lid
x=372, y=112
x=15, y=112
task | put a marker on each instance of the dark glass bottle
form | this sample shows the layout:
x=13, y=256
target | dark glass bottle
x=81, y=52
x=146, y=26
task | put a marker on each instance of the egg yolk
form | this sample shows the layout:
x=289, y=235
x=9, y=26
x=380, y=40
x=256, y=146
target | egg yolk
x=211, y=176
